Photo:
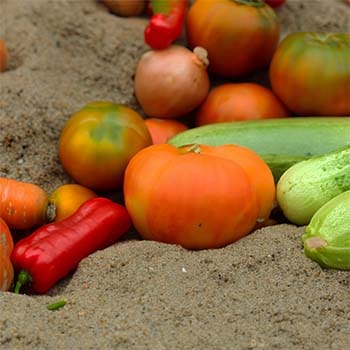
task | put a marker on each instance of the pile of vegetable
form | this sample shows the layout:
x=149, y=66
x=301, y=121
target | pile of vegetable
x=205, y=165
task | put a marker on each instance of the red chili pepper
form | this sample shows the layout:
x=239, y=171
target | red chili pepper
x=55, y=249
x=275, y=3
x=166, y=23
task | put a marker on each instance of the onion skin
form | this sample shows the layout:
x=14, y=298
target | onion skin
x=125, y=8
x=172, y=82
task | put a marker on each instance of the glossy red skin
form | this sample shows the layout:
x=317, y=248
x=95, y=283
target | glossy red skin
x=98, y=141
x=240, y=36
x=54, y=250
x=165, y=26
x=310, y=73
x=275, y=3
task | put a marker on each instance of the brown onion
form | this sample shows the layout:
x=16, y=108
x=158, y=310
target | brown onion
x=171, y=82
x=125, y=8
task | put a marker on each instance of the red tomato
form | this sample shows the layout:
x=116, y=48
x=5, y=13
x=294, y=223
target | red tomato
x=68, y=198
x=275, y=3
x=240, y=36
x=241, y=101
x=162, y=130
x=310, y=73
x=197, y=196
x=97, y=143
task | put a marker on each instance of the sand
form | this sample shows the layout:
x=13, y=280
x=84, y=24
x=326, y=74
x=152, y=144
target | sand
x=258, y=293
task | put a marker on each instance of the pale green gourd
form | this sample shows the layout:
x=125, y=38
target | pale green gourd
x=308, y=185
x=327, y=237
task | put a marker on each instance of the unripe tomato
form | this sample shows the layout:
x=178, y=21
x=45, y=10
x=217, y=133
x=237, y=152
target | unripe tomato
x=197, y=196
x=310, y=73
x=240, y=36
x=97, y=143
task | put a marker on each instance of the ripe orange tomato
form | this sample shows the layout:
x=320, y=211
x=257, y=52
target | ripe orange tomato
x=197, y=196
x=258, y=172
x=310, y=73
x=239, y=35
x=162, y=130
x=241, y=101
x=98, y=141
x=3, y=56
x=68, y=198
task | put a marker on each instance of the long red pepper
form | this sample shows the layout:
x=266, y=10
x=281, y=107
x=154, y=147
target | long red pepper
x=165, y=25
x=55, y=249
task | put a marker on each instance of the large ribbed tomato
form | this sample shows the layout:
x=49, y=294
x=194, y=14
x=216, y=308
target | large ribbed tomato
x=197, y=196
x=239, y=35
x=310, y=73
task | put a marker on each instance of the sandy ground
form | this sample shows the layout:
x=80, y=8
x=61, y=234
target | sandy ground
x=258, y=293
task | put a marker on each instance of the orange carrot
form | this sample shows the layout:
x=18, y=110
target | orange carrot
x=3, y=56
x=22, y=205
x=6, y=247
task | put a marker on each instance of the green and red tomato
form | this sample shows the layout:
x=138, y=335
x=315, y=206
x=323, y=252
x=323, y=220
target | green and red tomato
x=310, y=73
x=197, y=196
x=240, y=36
x=98, y=141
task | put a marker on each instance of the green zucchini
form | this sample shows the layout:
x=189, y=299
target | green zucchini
x=306, y=186
x=280, y=142
x=327, y=237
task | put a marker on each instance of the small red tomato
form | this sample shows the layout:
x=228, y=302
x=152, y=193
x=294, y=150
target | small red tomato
x=97, y=143
x=275, y=3
x=68, y=198
x=240, y=101
x=162, y=130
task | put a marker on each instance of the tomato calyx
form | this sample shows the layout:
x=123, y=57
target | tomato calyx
x=330, y=39
x=254, y=3
x=192, y=148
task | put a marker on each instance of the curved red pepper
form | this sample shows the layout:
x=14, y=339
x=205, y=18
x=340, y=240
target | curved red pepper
x=54, y=250
x=166, y=23
x=275, y=3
